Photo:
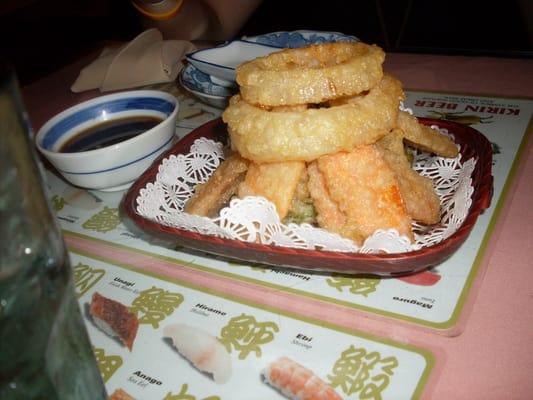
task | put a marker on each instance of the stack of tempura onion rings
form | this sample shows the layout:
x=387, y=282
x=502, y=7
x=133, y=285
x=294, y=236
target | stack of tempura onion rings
x=319, y=132
x=268, y=135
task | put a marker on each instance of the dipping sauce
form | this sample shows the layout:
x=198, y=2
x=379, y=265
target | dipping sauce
x=108, y=133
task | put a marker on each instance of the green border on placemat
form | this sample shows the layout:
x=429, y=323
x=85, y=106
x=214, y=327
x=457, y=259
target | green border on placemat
x=428, y=356
x=490, y=228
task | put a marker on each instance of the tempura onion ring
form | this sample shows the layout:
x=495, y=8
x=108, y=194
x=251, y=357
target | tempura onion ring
x=311, y=74
x=269, y=136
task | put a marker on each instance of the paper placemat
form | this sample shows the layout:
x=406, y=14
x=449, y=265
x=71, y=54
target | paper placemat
x=247, y=338
x=434, y=299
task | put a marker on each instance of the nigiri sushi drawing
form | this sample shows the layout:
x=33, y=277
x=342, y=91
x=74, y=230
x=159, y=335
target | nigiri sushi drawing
x=120, y=394
x=203, y=350
x=297, y=382
x=114, y=318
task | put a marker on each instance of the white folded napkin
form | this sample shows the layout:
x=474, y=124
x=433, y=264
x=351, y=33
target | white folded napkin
x=146, y=60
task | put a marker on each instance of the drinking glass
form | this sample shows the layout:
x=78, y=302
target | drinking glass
x=45, y=352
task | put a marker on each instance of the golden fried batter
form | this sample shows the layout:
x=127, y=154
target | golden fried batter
x=425, y=138
x=275, y=181
x=311, y=74
x=329, y=216
x=366, y=191
x=295, y=108
x=211, y=196
x=421, y=201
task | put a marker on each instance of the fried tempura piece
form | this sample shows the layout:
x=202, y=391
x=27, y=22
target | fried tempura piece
x=366, y=191
x=211, y=196
x=329, y=216
x=275, y=181
x=425, y=138
x=421, y=201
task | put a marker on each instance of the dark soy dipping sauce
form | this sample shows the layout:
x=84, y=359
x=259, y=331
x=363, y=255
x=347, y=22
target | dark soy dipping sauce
x=108, y=133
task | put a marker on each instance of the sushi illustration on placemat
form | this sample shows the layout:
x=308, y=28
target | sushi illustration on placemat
x=202, y=349
x=114, y=319
x=297, y=382
x=120, y=394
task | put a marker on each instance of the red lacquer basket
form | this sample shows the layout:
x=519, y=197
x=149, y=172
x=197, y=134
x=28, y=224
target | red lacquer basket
x=473, y=144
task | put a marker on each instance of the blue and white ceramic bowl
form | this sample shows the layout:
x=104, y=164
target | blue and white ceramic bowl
x=113, y=166
x=300, y=38
x=220, y=62
x=194, y=79
x=202, y=87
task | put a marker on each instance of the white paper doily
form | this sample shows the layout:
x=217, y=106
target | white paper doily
x=254, y=219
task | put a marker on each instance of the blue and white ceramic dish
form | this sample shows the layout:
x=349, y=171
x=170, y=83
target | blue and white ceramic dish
x=200, y=86
x=220, y=62
x=301, y=38
x=194, y=79
x=117, y=164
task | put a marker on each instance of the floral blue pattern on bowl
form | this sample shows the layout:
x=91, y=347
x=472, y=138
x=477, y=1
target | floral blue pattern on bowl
x=212, y=100
x=194, y=79
x=299, y=38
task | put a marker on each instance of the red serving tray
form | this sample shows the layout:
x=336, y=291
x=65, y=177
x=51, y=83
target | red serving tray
x=473, y=144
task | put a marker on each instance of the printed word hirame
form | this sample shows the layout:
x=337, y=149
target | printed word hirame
x=206, y=308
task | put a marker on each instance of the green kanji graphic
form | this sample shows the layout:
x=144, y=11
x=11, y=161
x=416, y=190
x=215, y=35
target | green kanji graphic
x=108, y=364
x=58, y=203
x=357, y=371
x=103, y=221
x=360, y=286
x=85, y=278
x=183, y=395
x=245, y=334
x=154, y=305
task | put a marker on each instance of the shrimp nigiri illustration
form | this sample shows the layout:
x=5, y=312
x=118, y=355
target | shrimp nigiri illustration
x=203, y=350
x=297, y=382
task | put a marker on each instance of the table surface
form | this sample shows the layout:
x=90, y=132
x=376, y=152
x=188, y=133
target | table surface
x=493, y=357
